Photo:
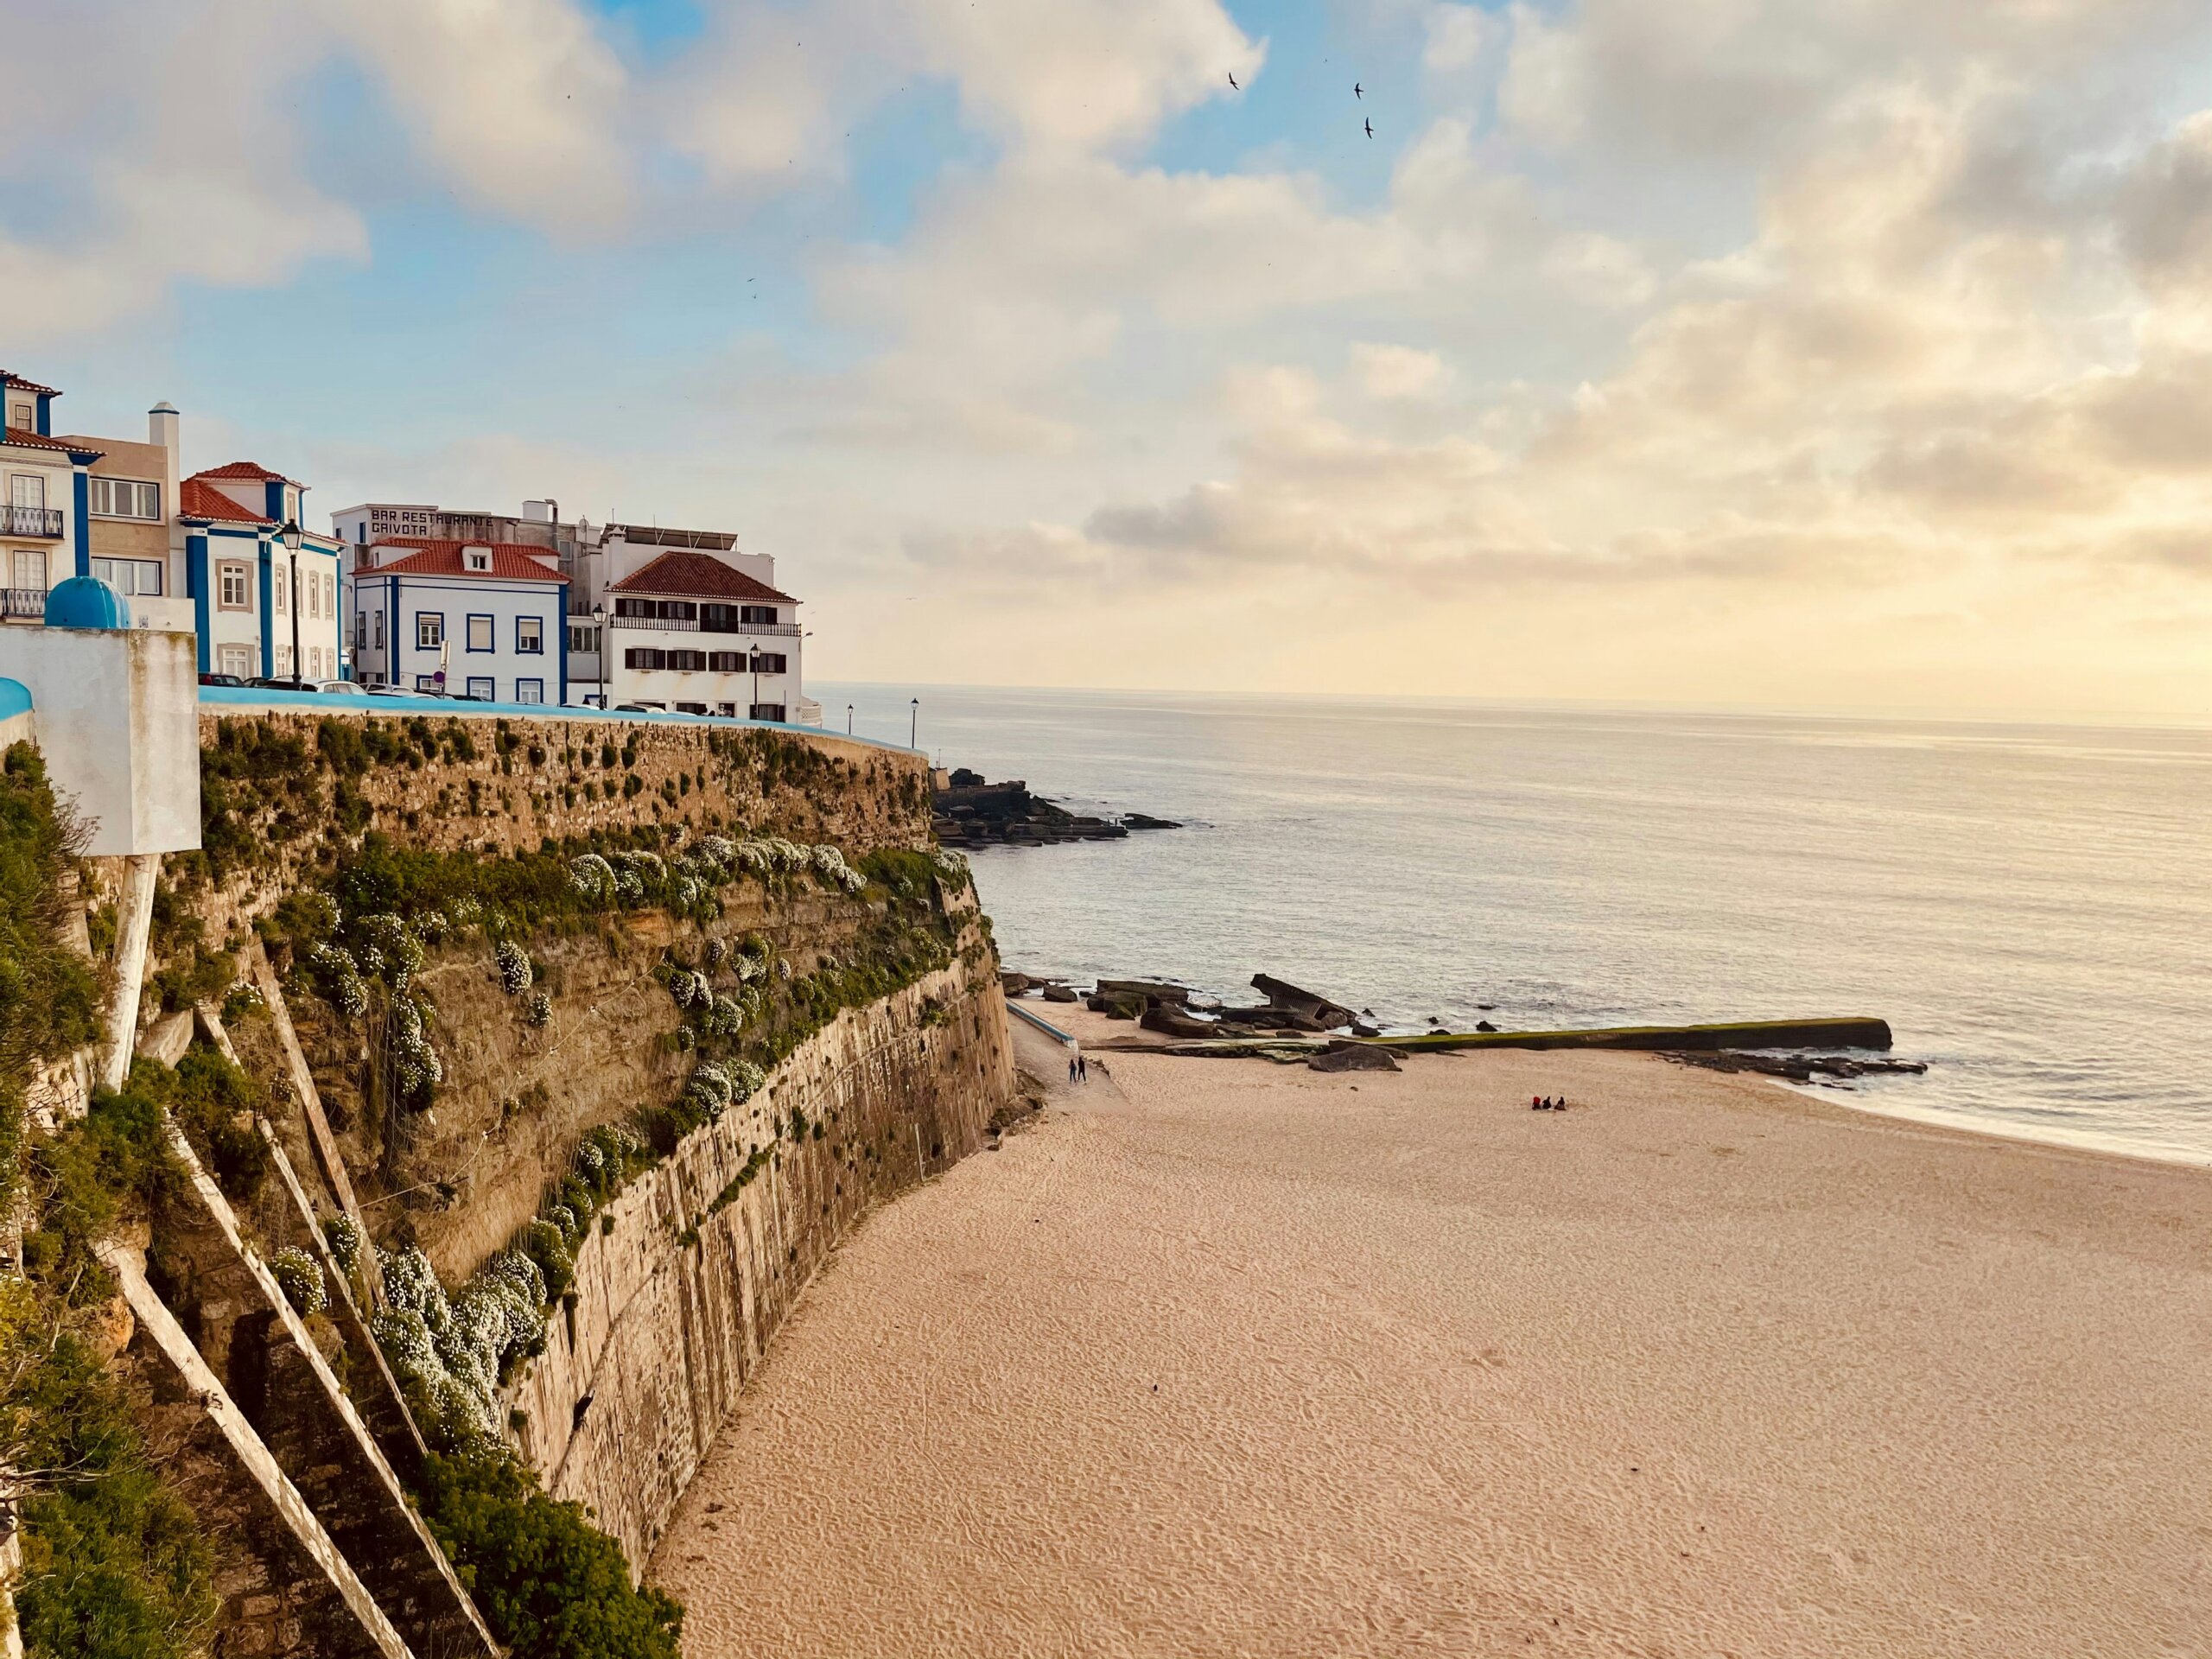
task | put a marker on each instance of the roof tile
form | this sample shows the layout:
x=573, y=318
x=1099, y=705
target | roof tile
x=509, y=561
x=694, y=575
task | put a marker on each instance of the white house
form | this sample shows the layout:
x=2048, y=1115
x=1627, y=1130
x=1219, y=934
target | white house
x=45, y=525
x=691, y=631
x=263, y=608
x=478, y=618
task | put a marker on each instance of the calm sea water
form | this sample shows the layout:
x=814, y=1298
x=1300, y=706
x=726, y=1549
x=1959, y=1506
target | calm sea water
x=2029, y=906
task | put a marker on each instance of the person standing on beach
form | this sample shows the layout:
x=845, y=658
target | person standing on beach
x=1071, y=1059
x=1082, y=1069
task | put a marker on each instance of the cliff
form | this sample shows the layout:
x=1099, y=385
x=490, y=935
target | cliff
x=516, y=1076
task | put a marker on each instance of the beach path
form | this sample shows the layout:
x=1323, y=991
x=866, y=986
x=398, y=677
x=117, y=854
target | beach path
x=1233, y=1358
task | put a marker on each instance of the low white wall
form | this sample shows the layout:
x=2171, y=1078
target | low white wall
x=118, y=715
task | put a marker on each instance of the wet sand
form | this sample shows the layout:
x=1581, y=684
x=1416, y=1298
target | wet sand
x=1230, y=1359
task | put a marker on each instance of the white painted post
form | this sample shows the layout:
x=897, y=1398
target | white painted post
x=141, y=871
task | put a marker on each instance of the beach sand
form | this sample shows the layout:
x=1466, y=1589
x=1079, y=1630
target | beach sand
x=1225, y=1357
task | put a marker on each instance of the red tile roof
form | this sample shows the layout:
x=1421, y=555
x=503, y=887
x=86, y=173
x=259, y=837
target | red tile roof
x=196, y=499
x=15, y=379
x=238, y=469
x=23, y=437
x=694, y=575
x=510, y=562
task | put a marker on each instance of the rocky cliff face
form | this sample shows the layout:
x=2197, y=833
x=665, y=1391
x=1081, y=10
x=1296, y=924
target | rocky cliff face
x=399, y=889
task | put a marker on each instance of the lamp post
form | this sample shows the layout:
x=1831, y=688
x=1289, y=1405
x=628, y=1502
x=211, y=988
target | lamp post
x=599, y=649
x=754, y=711
x=914, y=728
x=849, y=719
x=290, y=537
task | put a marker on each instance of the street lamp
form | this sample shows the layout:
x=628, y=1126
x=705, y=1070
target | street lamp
x=914, y=729
x=754, y=711
x=599, y=648
x=290, y=537
x=849, y=719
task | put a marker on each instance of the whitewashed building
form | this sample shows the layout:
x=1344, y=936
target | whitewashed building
x=477, y=619
x=264, y=609
x=692, y=632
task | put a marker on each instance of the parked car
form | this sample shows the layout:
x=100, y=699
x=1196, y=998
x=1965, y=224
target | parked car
x=341, y=688
x=222, y=679
x=269, y=683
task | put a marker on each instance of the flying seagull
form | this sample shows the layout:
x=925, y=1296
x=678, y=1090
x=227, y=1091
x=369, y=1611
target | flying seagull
x=1232, y=81
x=1358, y=91
x=1370, y=126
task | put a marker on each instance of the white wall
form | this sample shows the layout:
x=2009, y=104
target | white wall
x=117, y=712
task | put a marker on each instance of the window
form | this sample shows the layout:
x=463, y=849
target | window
x=726, y=662
x=689, y=662
x=31, y=568
x=768, y=711
x=767, y=662
x=233, y=587
x=430, y=630
x=360, y=634
x=126, y=498
x=277, y=588
x=429, y=682
x=530, y=690
x=690, y=707
x=726, y=710
x=379, y=625
x=22, y=415
x=314, y=597
x=583, y=637
x=529, y=635
x=235, y=659
x=644, y=657
x=476, y=558
x=26, y=490
x=314, y=662
x=131, y=575
x=330, y=593
x=283, y=662
x=758, y=614
x=480, y=633
x=481, y=688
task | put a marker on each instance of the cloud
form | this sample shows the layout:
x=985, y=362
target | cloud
x=517, y=102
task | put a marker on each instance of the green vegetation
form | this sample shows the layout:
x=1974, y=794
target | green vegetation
x=49, y=1000
x=551, y=1584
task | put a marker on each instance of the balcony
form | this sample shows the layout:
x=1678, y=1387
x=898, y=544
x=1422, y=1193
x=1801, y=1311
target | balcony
x=44, y=523
x=23, y=603
x=683, y=625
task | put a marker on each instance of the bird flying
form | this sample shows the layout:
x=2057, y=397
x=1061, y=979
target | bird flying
x=1232, y=81
x=1370, y=126
x=1358, y=91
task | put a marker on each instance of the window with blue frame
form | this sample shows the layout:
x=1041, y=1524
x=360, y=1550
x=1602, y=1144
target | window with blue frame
x=430, y=630
x=480, y=636
x=481, y=688
x=530, y=690
x=529, y=635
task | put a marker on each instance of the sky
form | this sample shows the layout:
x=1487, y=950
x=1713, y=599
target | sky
x=1811, y=354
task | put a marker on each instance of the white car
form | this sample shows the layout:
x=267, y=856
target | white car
x=340, y=688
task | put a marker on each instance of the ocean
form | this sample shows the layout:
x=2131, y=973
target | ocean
x=2028, y=905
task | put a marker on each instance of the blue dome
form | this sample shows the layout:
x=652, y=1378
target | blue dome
x=87, y=603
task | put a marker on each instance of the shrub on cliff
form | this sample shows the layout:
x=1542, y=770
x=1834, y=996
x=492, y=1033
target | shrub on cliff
x=551, y=1584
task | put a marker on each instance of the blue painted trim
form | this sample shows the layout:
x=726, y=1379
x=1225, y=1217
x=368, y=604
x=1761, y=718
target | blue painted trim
x=521, y=650
x=15, y=695
x=272, y=499
x=535, y=680
x=391, y=626
x=334, y=701
x=562, y=649
x=490, y=650
x=268, y=612
x=45, y=415
x=81, y=528
x=490, y=683
x=196, y=584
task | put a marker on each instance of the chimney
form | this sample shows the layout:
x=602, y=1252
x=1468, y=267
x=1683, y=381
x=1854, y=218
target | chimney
x=162, y=429
x=160, y=426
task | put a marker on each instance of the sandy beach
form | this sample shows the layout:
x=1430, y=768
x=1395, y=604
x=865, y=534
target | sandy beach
x=1225, y=1357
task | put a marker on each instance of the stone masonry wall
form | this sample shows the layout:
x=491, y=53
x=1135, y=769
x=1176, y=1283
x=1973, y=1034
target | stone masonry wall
x=677, y=1301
